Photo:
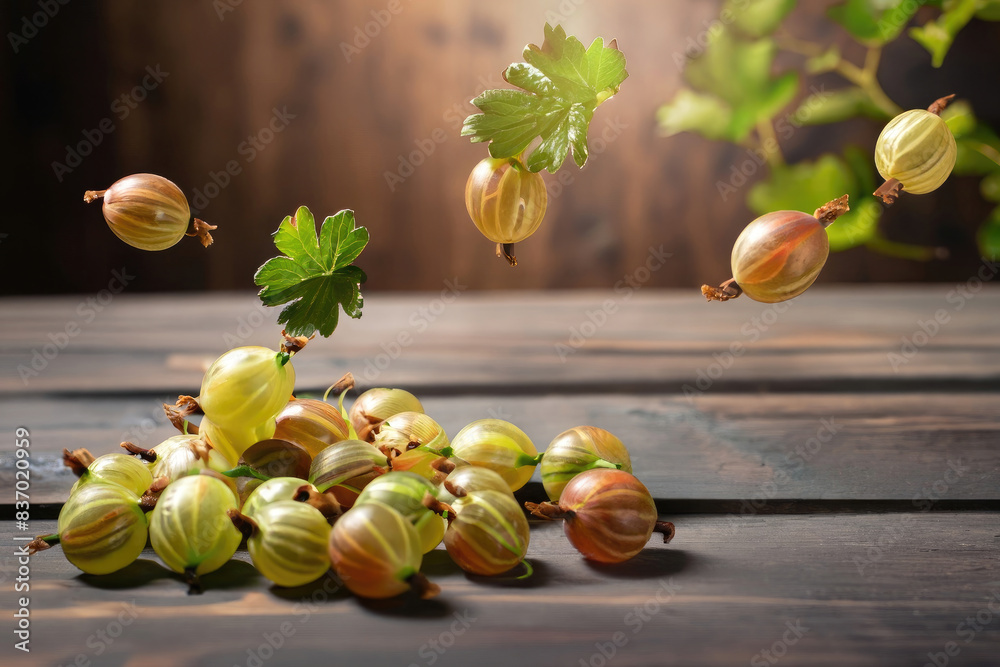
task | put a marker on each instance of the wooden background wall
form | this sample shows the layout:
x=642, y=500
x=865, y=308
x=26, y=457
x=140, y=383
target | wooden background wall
x=352, y=121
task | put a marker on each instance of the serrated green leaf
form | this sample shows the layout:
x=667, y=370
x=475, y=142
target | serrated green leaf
x=757, y=18
x=561, y=83
x=693, y=112
x=806, y=186
x=738, y=72
x=937, y=36
x=874, y=22
x=314, y=276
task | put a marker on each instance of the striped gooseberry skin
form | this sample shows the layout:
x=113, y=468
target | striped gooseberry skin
x=576, y=450
x=102, y=528
x=611, y=515
x=147, y=211
x=469, y=478
x=312, y=424
x=350, y=463
x=779, y=255
x=274, y=490
x=917, y=149
x=378, y=404
x=121, y=469
x=375, y=550
x=505, y=200
x=246, y=386
x=290, y=545
x=231, y=442
x=413, y=440
x=189, y=528
x=404, y=492
x=500, y=446
x=489, y=534
x=182, y=455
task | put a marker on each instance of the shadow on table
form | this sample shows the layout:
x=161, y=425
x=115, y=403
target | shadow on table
x=234, y=575
x=328, y=588
x=134, y=575
x=650, y=563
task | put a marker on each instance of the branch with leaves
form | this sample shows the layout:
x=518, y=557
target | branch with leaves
x=732, y=95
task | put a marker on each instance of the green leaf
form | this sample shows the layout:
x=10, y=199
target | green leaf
x=693, y=112
x=937, y=36
x=960, y=118
x=738, y=72
x=314, y=276
x=561, y=83
x=805, y=186
x=757, y=18
x=874, y=22
x=978, y=144
x=834, y=106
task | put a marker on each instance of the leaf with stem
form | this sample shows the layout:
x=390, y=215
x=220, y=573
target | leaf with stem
x=314, y=275
x=561, y=84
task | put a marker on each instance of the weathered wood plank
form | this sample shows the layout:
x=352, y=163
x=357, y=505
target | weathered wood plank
x=762, y=448
x=520, y=341
x=861, y=590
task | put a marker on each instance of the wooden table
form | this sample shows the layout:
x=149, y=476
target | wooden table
x=832, y=466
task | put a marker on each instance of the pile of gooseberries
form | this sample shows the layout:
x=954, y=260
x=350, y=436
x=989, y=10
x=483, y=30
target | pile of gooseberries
x=310, y=487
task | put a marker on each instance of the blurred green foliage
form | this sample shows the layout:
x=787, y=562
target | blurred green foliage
x=733, y=95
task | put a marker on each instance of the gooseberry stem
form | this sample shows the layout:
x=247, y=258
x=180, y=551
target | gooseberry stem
x=442, y=467
x=199, y=228
x=41, y=543
x=78, y=460
x=340, y=386
x=724, y=292
x=666, y=529
x=324, y=502
x=506, y=250
x=548, y=510
x=938, y=105
x=422, y=586
x=243, y=523
x=525, y=460
x=148, y=500
x=193, y=582
x=180, y=411
x=147, y=455
x=888, y=192
x=291, y=345
x=91, y=195
x=438, y=507
x=830, y=211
